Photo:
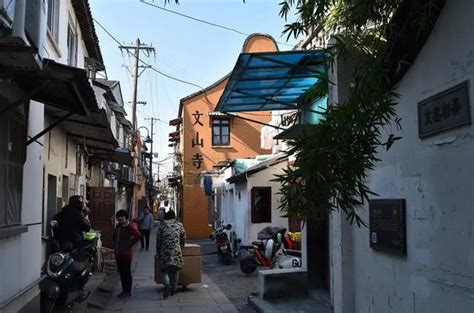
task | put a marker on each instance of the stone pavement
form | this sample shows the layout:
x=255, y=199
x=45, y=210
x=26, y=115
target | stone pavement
x=147, y=295
x=306, y=305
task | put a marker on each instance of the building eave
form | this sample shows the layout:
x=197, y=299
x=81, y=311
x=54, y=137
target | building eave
x=84, y=16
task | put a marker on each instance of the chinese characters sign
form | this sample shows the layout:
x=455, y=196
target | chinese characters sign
x=197, y=160
x=196, y=141
x=197, y=118
x=387, y=225
x=443, y=111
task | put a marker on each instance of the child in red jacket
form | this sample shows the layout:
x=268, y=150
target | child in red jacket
x=125, y=236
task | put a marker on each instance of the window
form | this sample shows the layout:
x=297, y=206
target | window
x=261, y=198
x=220, y=132
x=51, y=202
x=117, y=130
x=67, y=152
x=78, y=162
x=65, y=189
x=53, y=18
x=71, y=46
x=72, y=186
x=12, y=157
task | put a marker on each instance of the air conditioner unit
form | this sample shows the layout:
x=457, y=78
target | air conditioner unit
x=22, y=33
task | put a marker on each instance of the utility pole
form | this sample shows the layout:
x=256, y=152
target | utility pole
x=137, y=47
x=135, y=75
x=135, y=86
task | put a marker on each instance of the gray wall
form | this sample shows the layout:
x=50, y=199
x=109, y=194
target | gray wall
x=435, y=176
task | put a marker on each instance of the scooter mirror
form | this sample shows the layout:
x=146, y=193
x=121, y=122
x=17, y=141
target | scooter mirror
x=279, y=238
x=54, y=223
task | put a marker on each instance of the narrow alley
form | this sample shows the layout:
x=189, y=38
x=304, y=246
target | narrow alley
x=147, y=296
x=316, y=154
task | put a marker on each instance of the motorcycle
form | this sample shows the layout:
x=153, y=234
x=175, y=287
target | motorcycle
x=270, y=250
x=68, y=270
x=226, y=242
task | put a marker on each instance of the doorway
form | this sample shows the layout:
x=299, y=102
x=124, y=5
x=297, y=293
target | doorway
x=318, y=255
x=102, y=215
x=51, y=207
x=65, y=190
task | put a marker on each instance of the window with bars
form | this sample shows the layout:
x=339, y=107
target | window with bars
x=261, y=205
x=12, y=158
x=71, y=46
x=220, y=132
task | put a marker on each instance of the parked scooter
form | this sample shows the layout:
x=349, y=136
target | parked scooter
x=270, y=251
x=68, y=270
x=226, y=242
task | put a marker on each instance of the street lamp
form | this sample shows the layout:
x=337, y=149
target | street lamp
x=148, y=140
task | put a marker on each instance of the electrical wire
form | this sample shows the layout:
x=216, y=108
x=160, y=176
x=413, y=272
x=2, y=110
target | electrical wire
x=160, y=72
x=146, y=64
x=204, y=21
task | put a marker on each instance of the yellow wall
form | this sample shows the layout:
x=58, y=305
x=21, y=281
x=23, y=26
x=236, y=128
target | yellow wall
x=244, y=142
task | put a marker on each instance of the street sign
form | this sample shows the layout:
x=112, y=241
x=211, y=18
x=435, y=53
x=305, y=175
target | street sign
x=443, y=111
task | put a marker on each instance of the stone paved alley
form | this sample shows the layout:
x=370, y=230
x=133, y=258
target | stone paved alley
x=223, y=288
x=147, y=295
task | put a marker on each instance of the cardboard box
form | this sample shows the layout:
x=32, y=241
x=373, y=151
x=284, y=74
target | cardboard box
x=190, y=274
x=191, y=250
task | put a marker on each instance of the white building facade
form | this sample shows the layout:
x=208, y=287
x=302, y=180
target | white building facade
x=62, y=33
x=433, y=174
x=250, y=200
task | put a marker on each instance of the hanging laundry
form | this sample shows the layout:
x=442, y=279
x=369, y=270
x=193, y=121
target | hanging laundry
x=208, y=185
x=266, y=137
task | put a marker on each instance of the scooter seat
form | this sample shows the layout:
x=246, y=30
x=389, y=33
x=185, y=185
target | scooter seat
x=296, y=253
x=80, y=262
x=259, y=244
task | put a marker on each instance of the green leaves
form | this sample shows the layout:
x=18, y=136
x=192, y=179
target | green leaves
x=334, y=158
x=294, y=29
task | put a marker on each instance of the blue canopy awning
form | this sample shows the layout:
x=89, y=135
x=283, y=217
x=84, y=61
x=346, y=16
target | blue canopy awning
x=269, y=81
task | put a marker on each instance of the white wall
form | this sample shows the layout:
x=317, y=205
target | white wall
x=242, y=212
x=263, y=179
x=54, y=159
x=435, y=176
x=20, y=257
x=238, y=211
x=23, y=255
x=57, y=50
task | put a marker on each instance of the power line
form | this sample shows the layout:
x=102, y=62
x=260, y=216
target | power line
x=164, y=74
x=205, y=22
x=146, y=64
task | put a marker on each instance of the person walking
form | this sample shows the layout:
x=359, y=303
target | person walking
x=170, y=240
x=146, y=224
x=161, y=213
x=125, y=236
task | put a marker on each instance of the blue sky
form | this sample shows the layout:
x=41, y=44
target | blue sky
x=185, y=49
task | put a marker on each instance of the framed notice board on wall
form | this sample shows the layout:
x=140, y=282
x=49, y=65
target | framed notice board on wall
x=387, y=225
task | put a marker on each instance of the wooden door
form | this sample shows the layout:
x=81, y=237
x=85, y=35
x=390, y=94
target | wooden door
x=102, y=215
